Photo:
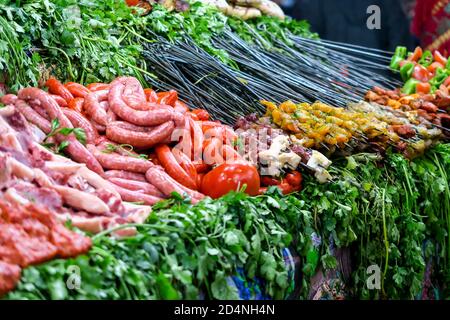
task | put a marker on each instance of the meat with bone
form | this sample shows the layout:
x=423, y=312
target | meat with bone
x=34, y=174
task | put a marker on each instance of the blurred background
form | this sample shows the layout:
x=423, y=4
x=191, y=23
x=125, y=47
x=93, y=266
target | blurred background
x=403, y=22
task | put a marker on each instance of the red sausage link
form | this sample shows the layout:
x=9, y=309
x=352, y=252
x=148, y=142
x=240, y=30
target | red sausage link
x=117, y=133
x=60, y=101
x=118, y=162
x=144, y=187
x=79, y=121
x=8, y=99
x=186, y=163
x=97, y=86
x=46, y=102
x=98, y=127
x=142, y=118
x=76, y=104
x=32, y=116
x=79, y=153
x=122, y=174
x=197, y=139
x=77, y=90
x=161, y=180
x=103, y=142
x=36, y=105
x=57, y=88
x=93, y=108
x=133, y=93
x=173, y=168
x=135, y=196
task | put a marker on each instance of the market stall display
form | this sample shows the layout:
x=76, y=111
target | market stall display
x=119, y=160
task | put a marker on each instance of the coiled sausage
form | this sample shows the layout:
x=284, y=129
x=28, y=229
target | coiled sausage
x=119, y=132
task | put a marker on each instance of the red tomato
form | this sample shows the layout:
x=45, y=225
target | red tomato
x=423, y=87
x=231, y=177
x=168, y=97
x=269, y=181
x=417, y=54
x=200, y=178
x=286, y=188
x=56, y=87
x=438, y=57
x=433, y=67
x=294, y=178
x=421, y=73
x=201, y=114
x=132, y=2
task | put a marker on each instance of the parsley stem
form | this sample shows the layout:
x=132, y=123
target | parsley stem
x=68, y=60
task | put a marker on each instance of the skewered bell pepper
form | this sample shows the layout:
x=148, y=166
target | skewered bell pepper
x=406, y=71
x=426, y=59
x=410, y=86
x=439, y=78
x=400, y=54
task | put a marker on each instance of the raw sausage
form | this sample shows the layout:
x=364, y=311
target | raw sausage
x=47, y=102
x=93, y=108
x=78, y=121
x=57, y=88
x=60, y=101
x=118, y=162
x=79, y=153
x=133, y=185
x=8, y=99
x=76, y=89
x=161, y=180
x=173, y=168
x=133, y=93
x=32, y=116
x=135, y=196
x=142, y=118
x=119, y=133
x=122, y=174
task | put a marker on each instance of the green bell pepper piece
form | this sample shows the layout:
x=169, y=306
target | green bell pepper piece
x=439, y=78
x=406, y=71
x=426, y=59
x=410, y=86
x=399, y=55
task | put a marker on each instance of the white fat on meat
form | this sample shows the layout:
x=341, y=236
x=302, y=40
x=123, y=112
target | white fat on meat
x=63, y=167
x=20, y=170
x=97, y=181
x=11, y=195
x=42, y=179
x=82, y=200
x=89, y=224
